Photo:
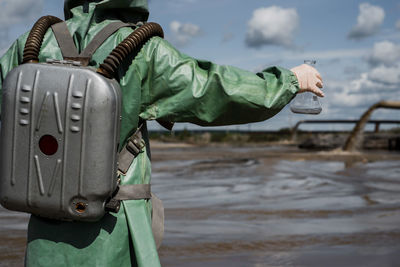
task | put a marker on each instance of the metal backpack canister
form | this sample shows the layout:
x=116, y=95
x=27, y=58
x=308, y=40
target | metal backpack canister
x=60, y=127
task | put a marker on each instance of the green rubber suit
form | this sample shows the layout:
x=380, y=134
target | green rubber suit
x=161, y=83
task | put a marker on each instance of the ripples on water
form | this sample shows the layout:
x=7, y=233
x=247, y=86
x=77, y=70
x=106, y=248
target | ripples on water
x=265, y=207
x=245, y=207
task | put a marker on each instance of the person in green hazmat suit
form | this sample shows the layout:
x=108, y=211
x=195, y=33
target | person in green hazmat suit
x=160, y=83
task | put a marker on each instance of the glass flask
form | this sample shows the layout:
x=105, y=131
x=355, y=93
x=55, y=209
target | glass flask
x=306, y=103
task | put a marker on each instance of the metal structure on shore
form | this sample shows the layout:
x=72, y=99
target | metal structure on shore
x=355, y=136
x=377, y=123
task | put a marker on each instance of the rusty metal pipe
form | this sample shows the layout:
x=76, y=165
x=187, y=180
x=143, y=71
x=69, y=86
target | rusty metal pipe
x=355, y=136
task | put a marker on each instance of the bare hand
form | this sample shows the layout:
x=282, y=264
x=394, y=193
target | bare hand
x=309, y=79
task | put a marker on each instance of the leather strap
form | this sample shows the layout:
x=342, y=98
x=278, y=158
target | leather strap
x=102, y=36
x=65, y=41
x=133, y=192
x=67, y=45
x=130, y=151
x=143, y=191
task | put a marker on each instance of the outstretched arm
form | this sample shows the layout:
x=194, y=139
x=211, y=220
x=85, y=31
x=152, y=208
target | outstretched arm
x=178, y=88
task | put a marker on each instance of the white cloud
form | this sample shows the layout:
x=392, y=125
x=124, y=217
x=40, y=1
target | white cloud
x=380, y=82
x=359, y=93
x=375, y=80
x=272, y=26
x=386, y=75
x=358, y=101
x=386, y=53
x=183, y=33
x=290, y=55
x=328, y=54
x=369, y=21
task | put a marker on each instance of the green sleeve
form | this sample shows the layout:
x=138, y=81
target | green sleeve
x=9, y=61
x=178, y=88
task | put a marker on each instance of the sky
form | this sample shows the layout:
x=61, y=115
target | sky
x=356, y=44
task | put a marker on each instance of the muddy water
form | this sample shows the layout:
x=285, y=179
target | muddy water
x=266, y=206
x=278, y=207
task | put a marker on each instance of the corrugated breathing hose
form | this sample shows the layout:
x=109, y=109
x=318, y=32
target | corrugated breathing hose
x=130, y=45
x=35, y=38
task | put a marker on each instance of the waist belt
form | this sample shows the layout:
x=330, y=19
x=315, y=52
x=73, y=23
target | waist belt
x=137, y=192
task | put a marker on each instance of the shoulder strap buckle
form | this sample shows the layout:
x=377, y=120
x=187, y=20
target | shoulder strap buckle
x=130, y=151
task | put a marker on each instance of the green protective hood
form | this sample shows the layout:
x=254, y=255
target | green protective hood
x=125, y=10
